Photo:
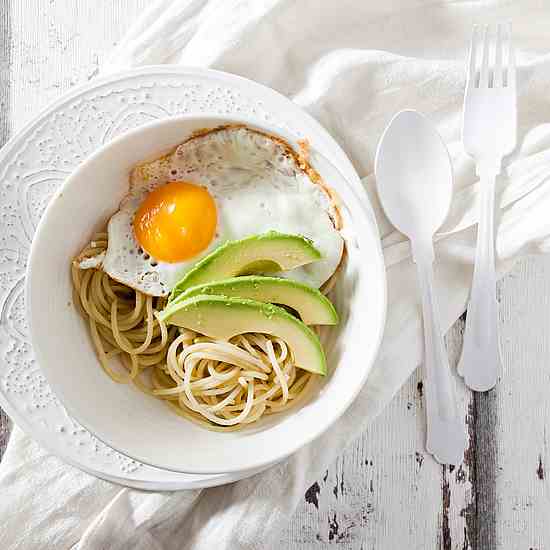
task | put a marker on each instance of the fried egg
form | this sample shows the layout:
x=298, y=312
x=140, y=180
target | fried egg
x=221, y=184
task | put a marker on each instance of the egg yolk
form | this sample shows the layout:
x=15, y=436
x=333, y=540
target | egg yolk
x=176, y=221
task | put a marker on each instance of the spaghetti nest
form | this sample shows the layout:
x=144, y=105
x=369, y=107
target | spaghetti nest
x=221, y=385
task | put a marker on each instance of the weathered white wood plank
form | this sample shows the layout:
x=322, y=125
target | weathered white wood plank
x=458, y=529
x=58, y=44
x=523, y=409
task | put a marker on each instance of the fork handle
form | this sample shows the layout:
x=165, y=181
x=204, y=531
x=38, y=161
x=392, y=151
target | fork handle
x=480, y=353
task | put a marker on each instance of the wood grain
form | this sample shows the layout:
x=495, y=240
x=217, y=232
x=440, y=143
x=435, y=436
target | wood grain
x=485, y=469
x=523, y=409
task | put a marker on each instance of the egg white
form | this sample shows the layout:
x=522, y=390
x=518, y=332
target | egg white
x=257, y=186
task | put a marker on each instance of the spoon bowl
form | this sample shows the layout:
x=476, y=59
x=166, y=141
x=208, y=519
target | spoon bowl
x=414, y=165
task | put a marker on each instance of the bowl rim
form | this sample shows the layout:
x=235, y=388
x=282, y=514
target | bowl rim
x=360, y=203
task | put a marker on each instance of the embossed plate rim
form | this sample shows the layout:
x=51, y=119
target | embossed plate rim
x=130, y=79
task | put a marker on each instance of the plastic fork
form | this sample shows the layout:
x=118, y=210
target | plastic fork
x=488, y=135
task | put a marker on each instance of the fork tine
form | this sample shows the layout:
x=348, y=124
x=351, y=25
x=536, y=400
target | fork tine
x=472, y=57
x=484, y=72
x=511, y=74
x=497, y=76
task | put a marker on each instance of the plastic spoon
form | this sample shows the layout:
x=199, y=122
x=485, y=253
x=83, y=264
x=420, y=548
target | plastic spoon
x=414, y=181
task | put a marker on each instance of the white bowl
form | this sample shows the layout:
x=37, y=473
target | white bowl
x=143, y=427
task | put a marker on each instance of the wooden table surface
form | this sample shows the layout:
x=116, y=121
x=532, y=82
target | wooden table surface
x=383, y=491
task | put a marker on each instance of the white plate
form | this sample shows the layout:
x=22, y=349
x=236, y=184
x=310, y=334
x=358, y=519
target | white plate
x=37, y=160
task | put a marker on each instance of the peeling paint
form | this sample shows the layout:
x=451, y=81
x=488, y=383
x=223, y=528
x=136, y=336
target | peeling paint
x=469, y=512
x=420, y=389
x=466, y=541
x=469, y=515
x=341, y=530
x=460, y=476
x=419, y=459
x=339, y=485
x=540, y=469
x=333, y=528
x=312, y=495
x=445, y=539
x=485, y=469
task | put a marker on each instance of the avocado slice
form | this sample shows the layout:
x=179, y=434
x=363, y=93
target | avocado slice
x=312, y=306
x=223, y=317
x=271, y=251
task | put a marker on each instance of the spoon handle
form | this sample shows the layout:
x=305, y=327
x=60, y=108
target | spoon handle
x=480, y=352
x=446, y=432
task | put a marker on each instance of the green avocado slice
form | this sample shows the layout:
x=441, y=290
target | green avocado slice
x=268, y=252
x=312, y=306
x=223, y=317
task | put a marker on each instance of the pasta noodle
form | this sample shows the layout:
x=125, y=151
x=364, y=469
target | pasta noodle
x=220, y=385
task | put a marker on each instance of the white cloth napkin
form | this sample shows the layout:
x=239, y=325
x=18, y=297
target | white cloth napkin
x=352, y=65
